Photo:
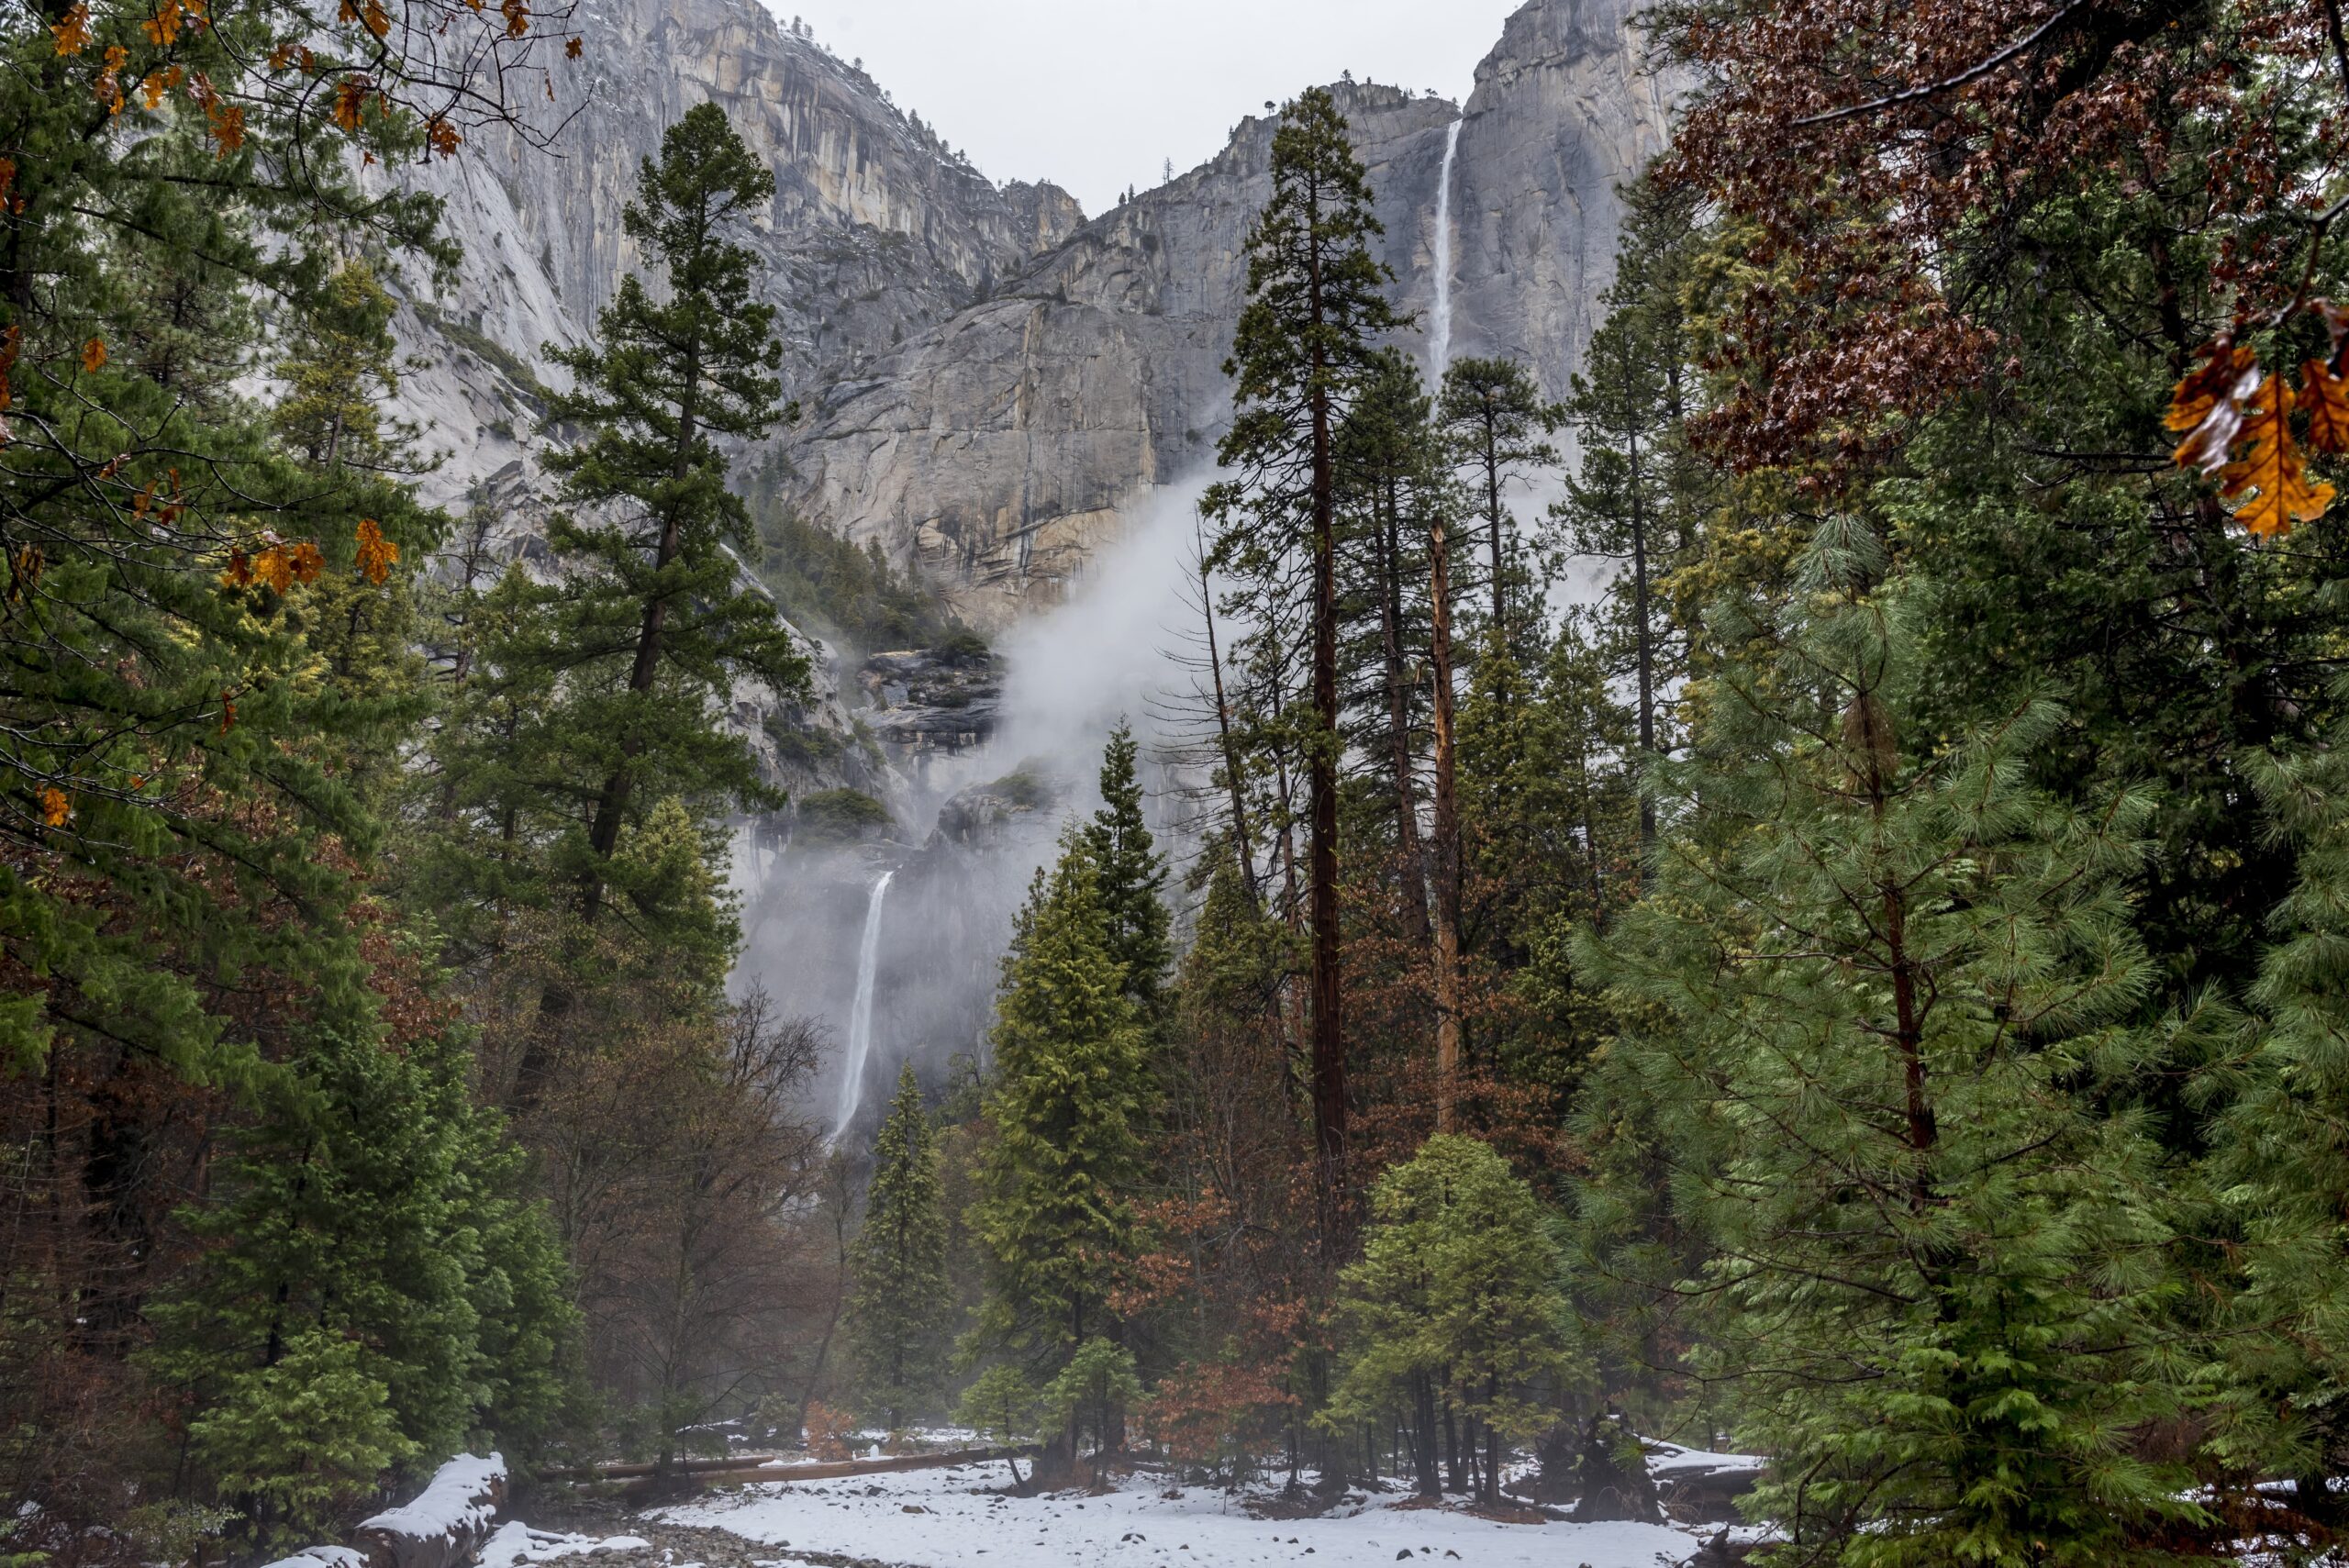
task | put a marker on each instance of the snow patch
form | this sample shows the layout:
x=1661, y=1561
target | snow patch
x=953, y=1517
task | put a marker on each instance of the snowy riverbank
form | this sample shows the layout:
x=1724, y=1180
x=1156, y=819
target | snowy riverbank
x=958, y=1518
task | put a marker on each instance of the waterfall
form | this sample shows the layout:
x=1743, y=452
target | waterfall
x=860, y=1016
x=1440, y=318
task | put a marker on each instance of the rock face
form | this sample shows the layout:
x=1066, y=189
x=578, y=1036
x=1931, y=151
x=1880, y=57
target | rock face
x=877, y=229
x=998, y=449
x=995, y=387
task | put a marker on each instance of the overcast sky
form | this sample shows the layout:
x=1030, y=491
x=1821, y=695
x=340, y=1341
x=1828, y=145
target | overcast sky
x=1097, y=94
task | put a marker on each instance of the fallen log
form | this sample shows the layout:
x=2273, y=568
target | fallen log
x=723, y=1472
x=444, y=1527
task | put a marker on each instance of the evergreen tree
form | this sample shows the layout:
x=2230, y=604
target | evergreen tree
x=1874, y=1013
x=1064, y=1156
x=1301, y=357
x=1132, y=879
x=652, y=619
x=1454, y=1307
x=902, y=1309
x=1387, y=465
x=1640, y=491
x=1494, y=424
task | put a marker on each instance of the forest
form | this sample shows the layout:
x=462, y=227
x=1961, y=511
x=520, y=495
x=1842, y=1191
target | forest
x=1864, y=985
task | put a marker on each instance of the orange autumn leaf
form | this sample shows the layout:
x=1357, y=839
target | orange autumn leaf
x=138, y=781
x=442, y=138
x=9, y=342
x=309, y=61
x=73, y=34
x=2327, y=397
x=376, y=553
x=241, y=571
x=281, y=57
x=108, y=86
x=349, y=97
x=275, y=568
x=376, y=20
x=228, y=129
x=517, y=18
x=159, y=83
x=2269, y=486
x=94, y=354
x=162, y=28
x=228, y=712
x=306, y=562
x=2208, y=404
x=54, y=806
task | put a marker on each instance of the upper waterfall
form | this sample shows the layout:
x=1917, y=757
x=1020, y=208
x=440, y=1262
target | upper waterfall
x=1440, y=313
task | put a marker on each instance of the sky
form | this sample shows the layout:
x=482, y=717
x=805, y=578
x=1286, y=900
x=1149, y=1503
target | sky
x=1097, y=94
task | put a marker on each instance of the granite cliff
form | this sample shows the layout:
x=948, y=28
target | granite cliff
x=992, y=387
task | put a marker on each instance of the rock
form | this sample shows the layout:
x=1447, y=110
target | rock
x=1613, y=1476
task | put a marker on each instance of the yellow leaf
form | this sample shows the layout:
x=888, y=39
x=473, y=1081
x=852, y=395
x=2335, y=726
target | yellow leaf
x=54, y=806
x=349, y=97
x=2269, y=486
x=94, y=354
x=73, y=34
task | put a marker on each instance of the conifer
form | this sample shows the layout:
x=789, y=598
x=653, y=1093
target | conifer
x=1068, y=1095
x=901, y=1311
x=654, y=618
x=1301, y=357
x=1876, y=1008
x=1132, y=878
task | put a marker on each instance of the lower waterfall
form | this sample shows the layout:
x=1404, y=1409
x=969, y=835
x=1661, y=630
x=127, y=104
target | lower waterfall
x=859, y=1018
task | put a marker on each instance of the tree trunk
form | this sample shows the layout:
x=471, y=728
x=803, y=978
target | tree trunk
x=1446, y=856
x=1412, y=857
x=1329, y=1031
x=1645, y=639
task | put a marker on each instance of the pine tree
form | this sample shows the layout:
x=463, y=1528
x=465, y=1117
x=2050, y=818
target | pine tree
x=1494, y=423
x=1638, y=490
x=902, y=1309
x=1064, y=1156
x=654, y=616
x=1387, y=465
x=1301, y=357
x=1875, y=1013
x=1132, y=878
x=1454, y=1305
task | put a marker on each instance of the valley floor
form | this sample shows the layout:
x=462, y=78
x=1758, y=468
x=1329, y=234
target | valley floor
x=960, y=1517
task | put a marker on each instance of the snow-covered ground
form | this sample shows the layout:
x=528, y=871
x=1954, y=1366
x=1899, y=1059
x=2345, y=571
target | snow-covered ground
x=957, y=1518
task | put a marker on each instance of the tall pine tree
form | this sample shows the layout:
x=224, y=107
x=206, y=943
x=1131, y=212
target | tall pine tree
x=1301, y=358
x=901, y=1313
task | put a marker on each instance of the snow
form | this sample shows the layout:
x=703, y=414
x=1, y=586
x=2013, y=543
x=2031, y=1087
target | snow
x=954, y=1518
x=327, y=1556
x=455, y=1504
x=516, y=1543
x=1670, y=1459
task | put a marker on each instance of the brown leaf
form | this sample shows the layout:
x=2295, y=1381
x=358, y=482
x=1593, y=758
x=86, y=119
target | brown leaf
x=2208, y=403
x=2269, y=486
